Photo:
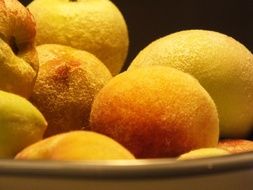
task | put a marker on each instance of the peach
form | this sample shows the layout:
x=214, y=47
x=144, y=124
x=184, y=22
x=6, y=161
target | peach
x=156, y=112
x=203, y=153
x=75, y=145
x=67, y=82
x=236, y=145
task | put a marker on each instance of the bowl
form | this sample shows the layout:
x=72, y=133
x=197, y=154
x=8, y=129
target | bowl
x=148, y=21
x=230, y=172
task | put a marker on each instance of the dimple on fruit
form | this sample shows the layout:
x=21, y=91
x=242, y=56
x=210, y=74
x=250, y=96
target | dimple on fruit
x=96, y=26
x=21, y=124
x=223, y=66
x=156, y=112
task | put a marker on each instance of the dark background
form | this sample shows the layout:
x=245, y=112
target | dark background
x=149, y=20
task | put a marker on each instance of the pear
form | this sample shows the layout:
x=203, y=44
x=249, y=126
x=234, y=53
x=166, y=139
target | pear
x=18, y=56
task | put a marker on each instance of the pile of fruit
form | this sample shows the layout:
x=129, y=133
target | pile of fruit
x=62, y=96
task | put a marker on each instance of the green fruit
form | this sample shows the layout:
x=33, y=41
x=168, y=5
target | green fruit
x=21, y=124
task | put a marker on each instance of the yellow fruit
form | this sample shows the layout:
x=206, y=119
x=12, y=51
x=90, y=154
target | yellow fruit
x=67, y=82
x=18, y=57
x=21, y=124
x=156, y=112
x=96, y=26
x=75, y=145
x=223, y=66
x=203, y=153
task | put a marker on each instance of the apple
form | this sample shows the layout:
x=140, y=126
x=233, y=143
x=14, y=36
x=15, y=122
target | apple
x=18, y=56
x=96, y=26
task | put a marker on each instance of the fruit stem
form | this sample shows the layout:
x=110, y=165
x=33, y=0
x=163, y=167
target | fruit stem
x=73, y=0
x=13, y=45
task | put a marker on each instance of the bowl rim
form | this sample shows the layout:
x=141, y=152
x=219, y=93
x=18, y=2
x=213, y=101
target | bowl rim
x=127, y=169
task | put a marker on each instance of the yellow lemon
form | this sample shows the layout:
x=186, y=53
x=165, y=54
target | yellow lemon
x=21, y=124
x=223, y=66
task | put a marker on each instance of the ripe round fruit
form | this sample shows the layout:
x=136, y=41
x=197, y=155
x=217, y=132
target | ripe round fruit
x=156, y=112
x=21, y=124
x=67, y=82
x=18, y=57
x=203, y=153
x=236, y=145
x=76, y=145
x=96, y=26
x=223, y=66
